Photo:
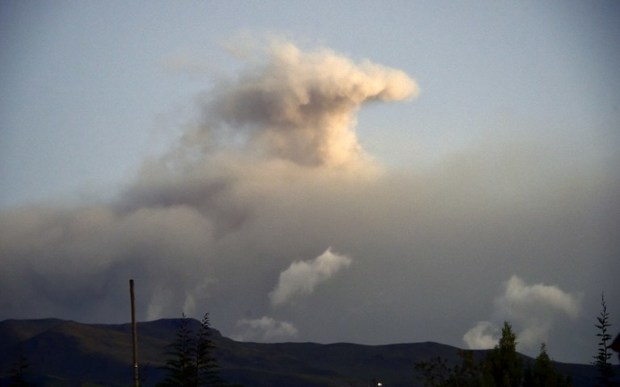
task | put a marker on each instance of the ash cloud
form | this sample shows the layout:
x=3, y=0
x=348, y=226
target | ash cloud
x=285, y=123
x=300, y=106
x=272, y=169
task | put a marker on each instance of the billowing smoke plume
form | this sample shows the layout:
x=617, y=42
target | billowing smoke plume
x=189, y=218
x=271, y=170
x=303, y=276
x=300, y=106
x=531, y=308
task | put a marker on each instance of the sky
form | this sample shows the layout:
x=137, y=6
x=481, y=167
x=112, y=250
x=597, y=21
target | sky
x=342, y=171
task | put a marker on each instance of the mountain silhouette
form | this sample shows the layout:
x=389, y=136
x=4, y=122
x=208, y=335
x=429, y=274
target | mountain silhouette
x=68, y=353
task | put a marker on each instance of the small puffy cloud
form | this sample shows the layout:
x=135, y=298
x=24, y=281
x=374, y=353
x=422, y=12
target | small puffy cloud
x=531, y=308
x=264, y=329
x=302, y=277
x=482, y=336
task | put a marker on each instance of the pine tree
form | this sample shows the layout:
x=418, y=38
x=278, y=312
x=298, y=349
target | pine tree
x=191, y=362
x=503, y=367
x=181, y=354
x=206, y=365
x=543, y=373
x=601, y=362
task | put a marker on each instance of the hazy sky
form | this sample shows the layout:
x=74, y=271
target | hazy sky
x=371, y=172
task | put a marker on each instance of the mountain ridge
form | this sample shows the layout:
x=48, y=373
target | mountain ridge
x=69, y=353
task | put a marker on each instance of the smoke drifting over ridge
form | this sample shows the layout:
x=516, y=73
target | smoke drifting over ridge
x=288, y=118
x=272, y=171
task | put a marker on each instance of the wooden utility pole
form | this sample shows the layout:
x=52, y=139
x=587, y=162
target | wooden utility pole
x=134, y=336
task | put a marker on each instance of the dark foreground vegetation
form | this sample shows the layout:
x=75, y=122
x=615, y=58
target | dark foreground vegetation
x=52, y=352
x=502, y=366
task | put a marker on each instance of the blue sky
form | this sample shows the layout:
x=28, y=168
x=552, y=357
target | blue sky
x=513, y=136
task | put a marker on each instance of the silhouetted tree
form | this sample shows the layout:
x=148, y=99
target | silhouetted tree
x=503, y=367
x=601, y=360
x=437, y=372
x=191, y=362
x=469, y=373
x=180, y=365
x=543, y=373
x=207, y=368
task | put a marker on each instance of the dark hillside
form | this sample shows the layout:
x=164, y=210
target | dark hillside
x=67, y=353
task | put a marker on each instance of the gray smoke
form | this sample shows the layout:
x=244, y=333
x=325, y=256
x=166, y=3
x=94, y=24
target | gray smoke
x=286, y=119
x=300, y=106
x=270, y=172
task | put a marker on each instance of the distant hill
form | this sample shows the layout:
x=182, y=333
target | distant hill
x=68, y=353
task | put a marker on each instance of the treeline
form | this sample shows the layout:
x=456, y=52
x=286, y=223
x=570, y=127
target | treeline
x=504, y=367
x=501, y=367
x=191, y=361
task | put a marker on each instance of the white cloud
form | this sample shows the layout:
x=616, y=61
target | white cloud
x=531, y=309
x=482, y=336
x=302, y=277
x=521, y=299
x=264, y=329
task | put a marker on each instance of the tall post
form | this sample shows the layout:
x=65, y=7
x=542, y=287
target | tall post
x=134, y=336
